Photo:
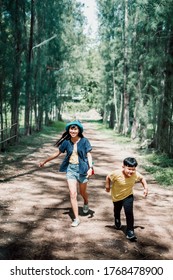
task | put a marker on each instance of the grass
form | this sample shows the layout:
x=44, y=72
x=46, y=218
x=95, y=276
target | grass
x=27, y=144
x=161, y=167
x=47, y=133
x=116, y=136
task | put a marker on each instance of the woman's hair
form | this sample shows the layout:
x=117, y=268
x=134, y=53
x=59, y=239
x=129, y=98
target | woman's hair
x=130, y=162
x=66, y=136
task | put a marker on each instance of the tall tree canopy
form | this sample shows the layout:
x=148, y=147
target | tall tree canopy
x=136, y=47
x=38, y=40
x=126, y=74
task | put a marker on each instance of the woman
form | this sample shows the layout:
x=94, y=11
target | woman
x=77, y=164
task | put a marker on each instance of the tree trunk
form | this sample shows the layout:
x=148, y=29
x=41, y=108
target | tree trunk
x=112, y=116
x=2, y=120
x=28, y=74
x=135, y=123
x=16, y=86
x=165, y=124
x=120, y=123
x=126, y=64
x=116, y=121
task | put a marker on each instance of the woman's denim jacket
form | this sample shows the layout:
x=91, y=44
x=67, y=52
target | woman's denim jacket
x=83, y=147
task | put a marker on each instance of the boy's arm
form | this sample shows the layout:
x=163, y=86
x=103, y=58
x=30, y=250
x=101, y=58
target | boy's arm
x=108, y=184
x=144, y=183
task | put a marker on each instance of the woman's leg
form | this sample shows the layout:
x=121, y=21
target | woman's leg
x=72, y=184
x=83, y=192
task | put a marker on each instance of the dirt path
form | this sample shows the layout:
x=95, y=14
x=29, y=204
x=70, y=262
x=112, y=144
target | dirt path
x=35, y=213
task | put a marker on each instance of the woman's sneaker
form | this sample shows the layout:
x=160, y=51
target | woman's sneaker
x=85, y=208
x=75, y=223
x=131, y=235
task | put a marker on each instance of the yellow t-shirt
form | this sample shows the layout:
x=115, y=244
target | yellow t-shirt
x=122, y=186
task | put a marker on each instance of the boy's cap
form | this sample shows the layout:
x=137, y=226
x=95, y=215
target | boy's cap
x=78, y=123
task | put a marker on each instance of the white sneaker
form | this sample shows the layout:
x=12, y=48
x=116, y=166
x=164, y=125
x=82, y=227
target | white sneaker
x=85, y=208
x=75, y=223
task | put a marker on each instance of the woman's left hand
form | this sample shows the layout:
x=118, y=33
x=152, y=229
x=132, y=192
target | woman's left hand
x=89, y=172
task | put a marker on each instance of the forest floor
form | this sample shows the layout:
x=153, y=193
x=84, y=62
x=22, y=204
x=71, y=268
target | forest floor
x=36, y=215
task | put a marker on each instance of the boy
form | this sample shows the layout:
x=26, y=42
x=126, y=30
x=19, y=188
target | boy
x=122, y=182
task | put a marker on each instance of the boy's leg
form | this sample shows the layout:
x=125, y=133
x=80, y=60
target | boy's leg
x=117, y=211
x=128, y=209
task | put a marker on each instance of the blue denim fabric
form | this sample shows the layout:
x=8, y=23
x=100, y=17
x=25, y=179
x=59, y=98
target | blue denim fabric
x=73, y=173
x=83, y=147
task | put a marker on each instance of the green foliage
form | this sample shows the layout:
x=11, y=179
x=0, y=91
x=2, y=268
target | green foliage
x=60, y=20
x=37, y=139
x=117, y=137
x=160, y=160
x=124, y=74
x=164, y=176
x=57, y=126
x=161, y=168
x=73, y=107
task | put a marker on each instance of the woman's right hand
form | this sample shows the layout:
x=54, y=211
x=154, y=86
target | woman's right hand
x=41, y=164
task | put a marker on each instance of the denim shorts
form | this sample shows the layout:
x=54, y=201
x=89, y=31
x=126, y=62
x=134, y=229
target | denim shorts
x=73, y=173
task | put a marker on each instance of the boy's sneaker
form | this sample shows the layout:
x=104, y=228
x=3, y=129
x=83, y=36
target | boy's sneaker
x=117, y=224
x=131, y=235
x=75, y=223
x=85, y=208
